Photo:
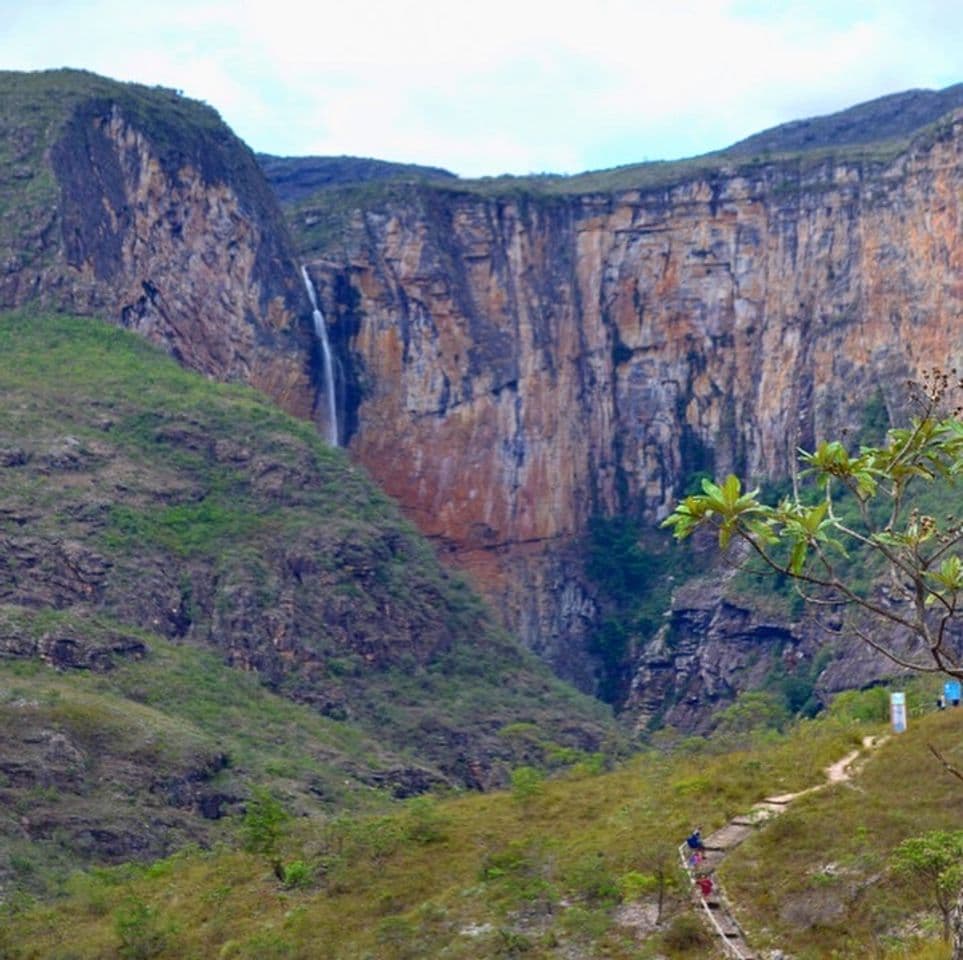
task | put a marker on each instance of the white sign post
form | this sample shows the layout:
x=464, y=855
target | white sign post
x=897, y=711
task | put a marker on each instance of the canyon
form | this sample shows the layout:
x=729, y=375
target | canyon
x=516, y=356
x=531, y=357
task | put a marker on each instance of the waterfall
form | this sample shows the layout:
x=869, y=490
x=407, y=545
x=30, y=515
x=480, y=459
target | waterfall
x=321, y=332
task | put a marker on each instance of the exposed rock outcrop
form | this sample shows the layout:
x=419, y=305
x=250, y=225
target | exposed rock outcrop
x=141, y=207
x=525, y=360
x=718, y=641
x=515, y=357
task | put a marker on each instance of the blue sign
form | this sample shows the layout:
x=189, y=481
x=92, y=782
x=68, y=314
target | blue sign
x=951, y=690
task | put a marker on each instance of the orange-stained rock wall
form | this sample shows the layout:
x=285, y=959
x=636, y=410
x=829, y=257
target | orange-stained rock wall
x=524, y=362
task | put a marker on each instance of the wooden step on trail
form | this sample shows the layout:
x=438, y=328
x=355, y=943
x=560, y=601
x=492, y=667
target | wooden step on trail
x=711, y=860
x=783, y=800
x=728, y=928
x=767, y=808
x=731, y=835
x=759, y=814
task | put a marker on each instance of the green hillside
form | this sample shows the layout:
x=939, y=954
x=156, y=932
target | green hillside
x=294, y=178
x=197, y=596
x=567, y=867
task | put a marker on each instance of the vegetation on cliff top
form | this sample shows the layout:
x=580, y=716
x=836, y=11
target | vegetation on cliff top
x=780, y=162
x=35, y=107
x=294, y=178
x=321, y=221
x=892, y=118
x=36, y=110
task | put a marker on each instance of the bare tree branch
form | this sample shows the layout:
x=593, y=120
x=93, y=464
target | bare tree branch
x=947, y=766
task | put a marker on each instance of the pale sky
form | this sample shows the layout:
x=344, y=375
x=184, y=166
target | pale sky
x=500, y=86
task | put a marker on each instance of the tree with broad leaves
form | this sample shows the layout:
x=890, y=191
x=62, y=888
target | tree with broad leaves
x=862, y=505
x=856, y=512
x=935, y=860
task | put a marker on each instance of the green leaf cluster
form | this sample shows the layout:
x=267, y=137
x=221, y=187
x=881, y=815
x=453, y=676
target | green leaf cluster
x=864, y=504
x=935, y=860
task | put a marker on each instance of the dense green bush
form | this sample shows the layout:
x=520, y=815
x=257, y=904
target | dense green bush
x=264, y=823
x=527, y=783
x=686, y=932
x=633, y=570
x=141, y=931
x=297, y=874
x=426, y=822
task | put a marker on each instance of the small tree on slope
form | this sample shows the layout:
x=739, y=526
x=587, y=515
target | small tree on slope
x=850, y=514
x=934, y=861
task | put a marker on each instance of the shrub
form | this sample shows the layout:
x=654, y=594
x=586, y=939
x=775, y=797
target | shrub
x=586, y=924
x=399, y=937
x=527, y=783
x=685, y=933
x=751, y=712
x=689, y=786
x=933, y=862
x=522, y=873
x=634, y=885
x=265, y=945
x=376, y=838
x=91, y=894
x=512, y=860
x=871, y=706
x=141, y=933
x=297, y=874
x=426, y=823
x=590, y=879
x=511, y=943
x=591, y=765
x=263, y=824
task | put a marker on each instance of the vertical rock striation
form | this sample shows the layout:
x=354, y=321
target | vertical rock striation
x=139, y=206
x=526, y=360
x=510, y=361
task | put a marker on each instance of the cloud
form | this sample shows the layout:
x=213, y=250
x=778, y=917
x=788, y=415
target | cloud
x=513, y=85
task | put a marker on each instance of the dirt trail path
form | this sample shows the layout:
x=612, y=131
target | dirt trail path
x=717, y=846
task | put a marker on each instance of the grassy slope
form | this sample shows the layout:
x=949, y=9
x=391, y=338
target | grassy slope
x=539, y=875
x=293, y=178
x=892, y=117
x=560, y=872
x=112, y=446
x=817, y=881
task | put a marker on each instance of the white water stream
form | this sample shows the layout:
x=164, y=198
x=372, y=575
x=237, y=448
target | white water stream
x=321, y=332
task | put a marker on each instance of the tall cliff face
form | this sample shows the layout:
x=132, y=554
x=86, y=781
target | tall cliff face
x=526, y=360
x=514, y=357
x=140, y=206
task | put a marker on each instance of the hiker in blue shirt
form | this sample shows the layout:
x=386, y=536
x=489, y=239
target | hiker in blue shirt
x=694, y=840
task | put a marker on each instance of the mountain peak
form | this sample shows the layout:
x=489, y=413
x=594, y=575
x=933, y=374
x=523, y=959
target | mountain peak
x=893, y=117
